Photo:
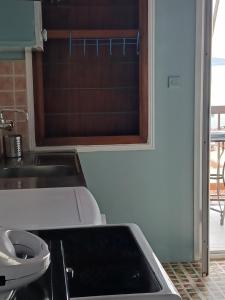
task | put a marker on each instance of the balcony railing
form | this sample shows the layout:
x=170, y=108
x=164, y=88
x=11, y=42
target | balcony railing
x=217, y=159
x=217, y=112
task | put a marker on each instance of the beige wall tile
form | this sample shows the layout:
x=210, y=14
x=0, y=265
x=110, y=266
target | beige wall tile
x=13, y=95
x=6, y=99
x=6, y=67
x=21, y=128
x=6, y=83
x=20, y=83
x=21, y=116
x=20, y=98
x=19, y=67
x=9, y=115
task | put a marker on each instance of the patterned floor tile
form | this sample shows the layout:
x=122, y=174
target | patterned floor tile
x=191, y=285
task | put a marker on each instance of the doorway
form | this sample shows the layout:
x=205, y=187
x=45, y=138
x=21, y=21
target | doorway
x=217, y=133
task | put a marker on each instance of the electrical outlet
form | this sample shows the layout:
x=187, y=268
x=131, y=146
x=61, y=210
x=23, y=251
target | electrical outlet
x=174, y=81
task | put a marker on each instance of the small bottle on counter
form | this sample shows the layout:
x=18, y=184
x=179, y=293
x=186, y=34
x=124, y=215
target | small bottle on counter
x=12, y=146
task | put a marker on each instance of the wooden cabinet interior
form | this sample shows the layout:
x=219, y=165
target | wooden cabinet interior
x=91, y=81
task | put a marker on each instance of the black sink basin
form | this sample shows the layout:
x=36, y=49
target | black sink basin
x=37, y=171
x=105, y=261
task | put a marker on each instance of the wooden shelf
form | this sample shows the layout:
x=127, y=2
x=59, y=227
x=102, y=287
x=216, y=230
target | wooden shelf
x=93, y=140
x=91, y=81
x=89, y=34
x=85, y=114
x=116, y=88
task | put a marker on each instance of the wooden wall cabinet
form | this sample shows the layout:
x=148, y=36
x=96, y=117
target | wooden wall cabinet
x=91, y=81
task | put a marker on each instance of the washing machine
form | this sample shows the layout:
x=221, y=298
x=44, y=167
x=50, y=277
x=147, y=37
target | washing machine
x=90, y=260
x=49, y=208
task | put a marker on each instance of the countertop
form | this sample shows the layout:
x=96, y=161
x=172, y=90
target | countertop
x=43, y=159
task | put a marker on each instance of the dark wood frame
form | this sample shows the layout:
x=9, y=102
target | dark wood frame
x=42, y=140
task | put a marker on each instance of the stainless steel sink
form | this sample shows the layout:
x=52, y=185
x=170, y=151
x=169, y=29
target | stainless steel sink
x=41, y=170
x=37, y=171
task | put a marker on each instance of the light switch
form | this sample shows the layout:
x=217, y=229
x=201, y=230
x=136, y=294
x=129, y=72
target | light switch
x=174, y=81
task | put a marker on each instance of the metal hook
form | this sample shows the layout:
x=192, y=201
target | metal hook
x=124, y=47
x=70, y=44
x=84, y=47
x=110, y=46
x=138, y=43
x=97, y=47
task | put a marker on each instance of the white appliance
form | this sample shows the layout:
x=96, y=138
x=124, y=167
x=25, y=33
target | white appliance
x=24, y=257
x=48, y=208
x=62, y=213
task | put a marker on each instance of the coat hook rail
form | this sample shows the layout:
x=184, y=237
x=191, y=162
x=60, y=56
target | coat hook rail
x=84, y=47
x=70, y=44
x=125, y=42
x=97, y=47
x=138, y=43
x=110, y=47
x=124, y=47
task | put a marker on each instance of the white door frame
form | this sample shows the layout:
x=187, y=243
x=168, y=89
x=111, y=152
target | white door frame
x=201, y=147
x=149, y=145
x=199, y=62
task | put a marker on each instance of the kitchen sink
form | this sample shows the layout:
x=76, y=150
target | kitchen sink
x=41, y=170
x=111, y=262
x=103, y=261
x=37, y=171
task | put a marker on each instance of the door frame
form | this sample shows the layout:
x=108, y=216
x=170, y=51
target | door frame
x=201, y=135
x=199, y=62
x=149, y=145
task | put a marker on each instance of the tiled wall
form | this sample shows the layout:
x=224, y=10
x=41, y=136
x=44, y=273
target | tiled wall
x=13, y=95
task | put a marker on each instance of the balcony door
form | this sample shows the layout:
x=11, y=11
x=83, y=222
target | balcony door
x=201, y=147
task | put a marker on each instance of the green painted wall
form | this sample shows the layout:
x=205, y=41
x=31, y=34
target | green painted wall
x=155, y=188
x=16, y=27
x=12, y=55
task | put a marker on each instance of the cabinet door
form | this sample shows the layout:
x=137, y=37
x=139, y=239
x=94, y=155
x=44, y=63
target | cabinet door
x=18, y=24
x=91, y=81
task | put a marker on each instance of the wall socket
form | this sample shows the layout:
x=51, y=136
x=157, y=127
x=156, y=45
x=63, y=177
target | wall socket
x=174, y=81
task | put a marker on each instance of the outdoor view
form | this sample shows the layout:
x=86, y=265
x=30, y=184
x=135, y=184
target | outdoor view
x=217, y=153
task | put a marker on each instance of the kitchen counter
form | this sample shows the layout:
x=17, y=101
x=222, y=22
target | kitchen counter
x=43, y=159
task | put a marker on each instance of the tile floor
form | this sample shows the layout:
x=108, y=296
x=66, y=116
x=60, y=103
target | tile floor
x=191, y=285
x=217, y=231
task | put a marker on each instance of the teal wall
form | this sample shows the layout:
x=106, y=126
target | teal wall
x=12, y=55
x=17, y=27
x=155, y=188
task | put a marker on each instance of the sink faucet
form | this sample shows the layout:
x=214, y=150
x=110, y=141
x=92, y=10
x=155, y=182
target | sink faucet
x=9, y=124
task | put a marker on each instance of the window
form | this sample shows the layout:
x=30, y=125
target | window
x=91, y=81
